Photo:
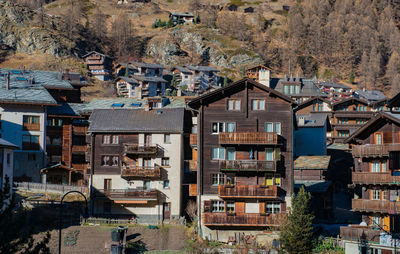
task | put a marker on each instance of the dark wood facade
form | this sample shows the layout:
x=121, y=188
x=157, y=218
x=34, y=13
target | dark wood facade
x=248, y=141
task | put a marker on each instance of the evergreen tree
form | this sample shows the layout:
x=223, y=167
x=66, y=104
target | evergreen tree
x=364, y=67
x=225, y=81
x=351, y=76
x=127, y=71
x=296, y=234
x=14, y=236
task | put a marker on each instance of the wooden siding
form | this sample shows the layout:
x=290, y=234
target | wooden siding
x=355, y=233
x=378, y=206
x=247, y=165
x=368, y=178
x=248, y=191
x=372, y=150
x=249, y=138
x=247, y=220
x=117, y=194
x=132, y=172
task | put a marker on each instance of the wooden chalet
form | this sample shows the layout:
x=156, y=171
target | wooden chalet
x=98, y=64
x=259, y=73
x=245, y=153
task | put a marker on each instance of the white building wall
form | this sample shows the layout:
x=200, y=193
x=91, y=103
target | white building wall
x=12, y=131
x=7, y=159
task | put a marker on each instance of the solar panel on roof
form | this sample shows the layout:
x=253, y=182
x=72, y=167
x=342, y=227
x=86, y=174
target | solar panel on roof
x=117, y=105
x=16, y=72
x=136, y=104
x=21, y=79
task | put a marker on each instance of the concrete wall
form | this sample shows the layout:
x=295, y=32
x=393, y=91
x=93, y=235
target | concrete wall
x=310, y=141
x=7, y=159
x=11, y=130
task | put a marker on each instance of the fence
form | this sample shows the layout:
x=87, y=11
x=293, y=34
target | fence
x=50, y=187
x=94, y=220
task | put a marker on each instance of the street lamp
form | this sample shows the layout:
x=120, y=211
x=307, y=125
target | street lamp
x=60, y=221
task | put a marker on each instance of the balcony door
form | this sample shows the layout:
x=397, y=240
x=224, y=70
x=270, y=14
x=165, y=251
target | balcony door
x=107, y=184
x=378, y=138
x=146, y=163
x=147, y=139
x=166, y=211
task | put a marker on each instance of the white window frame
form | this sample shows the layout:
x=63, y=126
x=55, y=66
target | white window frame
x=221, y=153
x=272, y=207
x=234, y=104
x=219, y=177
x=217, y=206
x=257, y=104
x=219, y=125
x=167, y=138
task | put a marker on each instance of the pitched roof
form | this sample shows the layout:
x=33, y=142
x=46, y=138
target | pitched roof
x=201, y=68
x=395, y=101
x=147, y=78
x=6, y=144
x=370, y=95
x=66, y=109
x=312, y=120
x=259, y=66
x=375, y=123
x=182, y=69
x=95, y=52
x=312, y=162
x=137, y=120
x=182, y=14
x=146, y=65
x=314, y=186
x=310, y=101
x=127, y=79
x=239, y=83
x=307, y=87
x=352, y=100
x=334, y=85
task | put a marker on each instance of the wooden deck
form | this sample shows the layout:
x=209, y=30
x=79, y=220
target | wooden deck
x=357, y=233
x=127, y=194
x=374, y=150
x=375, y=178
x=249, y=138
x=248, y=191
x=140, y=149
x=193, y=139
x=248, y=165
x=192, y=165
x=246, y=220
x=132, y=172
x=378, y=206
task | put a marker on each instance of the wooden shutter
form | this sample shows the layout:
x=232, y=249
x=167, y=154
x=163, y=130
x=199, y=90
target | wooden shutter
x=283, y=207
x=387, y=138
x=207, y=206
x=262, y=207
x=239, y=207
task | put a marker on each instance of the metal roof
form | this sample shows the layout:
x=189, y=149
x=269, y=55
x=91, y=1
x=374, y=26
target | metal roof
x=137, y=120
x=201, y=68
x=370, y=95
x=65, y=109
x=148, y=78
x=146, y=65
x=314, y=186
x=334, y=85
x=129, y=80
x=5, y=144
x=182, y=69
x=307, y=87
x=312, y=120
x=312, y=162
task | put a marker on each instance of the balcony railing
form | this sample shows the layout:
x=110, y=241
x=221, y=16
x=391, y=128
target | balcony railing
x=357, y=233
x=249, y=138
x=374, y=150
x=192, y=165
x=140, y=149
x=132, y=172
x=249, y=220
x=375, y=178
x=248, y=165
x=193, y=139
x=31, y=126
x=79, y=166
x=379, y=206
x=79, y=148
x=79, y=129
x=127, y=194
x=248, y=191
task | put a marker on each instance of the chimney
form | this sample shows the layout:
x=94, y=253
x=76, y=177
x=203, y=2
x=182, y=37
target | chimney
x=60, y=74
x=302, y=120
x=147, y=106
x=8, y=81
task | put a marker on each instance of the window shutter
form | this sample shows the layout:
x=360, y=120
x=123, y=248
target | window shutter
x=387, y=138
x=283, y=207
x=262, y=207
x=207, y=206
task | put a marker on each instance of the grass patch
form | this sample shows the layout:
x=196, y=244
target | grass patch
x=238, y=2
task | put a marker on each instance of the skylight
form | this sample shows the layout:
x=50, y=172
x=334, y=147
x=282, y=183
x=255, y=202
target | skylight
x=117, y=105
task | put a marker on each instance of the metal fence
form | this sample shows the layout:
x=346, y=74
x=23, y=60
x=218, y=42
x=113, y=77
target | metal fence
x=50, y=187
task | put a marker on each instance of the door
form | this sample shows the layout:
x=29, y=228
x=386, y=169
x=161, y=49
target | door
x=107, y=184
x=147, y=139
x=166, y=211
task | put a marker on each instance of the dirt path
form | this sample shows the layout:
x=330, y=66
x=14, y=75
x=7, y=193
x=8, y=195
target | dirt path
x=93, y=239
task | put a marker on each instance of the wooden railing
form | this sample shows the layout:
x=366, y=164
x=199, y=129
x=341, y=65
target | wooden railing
x=374, y=178
x=140, y=149
x=141, y=172
x=193, y=139
x=79, y=166
x=357, y=233
x=380, y=206
x=249, y=220
x=79, y=129
x=30, y=146
x=79, y=148
x=31, y=126
x=248, y=138
x=248, y=191
x=192, y=165
x=248, y=165
x=374, y=150
x=150, y=194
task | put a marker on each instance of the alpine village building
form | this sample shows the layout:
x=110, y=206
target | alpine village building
x=246, y=165
x=376, y=183
x=137, y=163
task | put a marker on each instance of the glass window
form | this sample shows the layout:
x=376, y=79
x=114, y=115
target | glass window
x=272, y=207
x=378, y=138
x=230, y=154
x=297, y=89
x=146, y=185
x=115, y=140
x=384, y=166
x=230, y=127
x=31, y=119
x=218, y=153
x=230, y=206
x=258, y=104
x=115, y=161
x=277, y=128
x=166, y=184
x=217, y=179
x=105, y=160
x=218, y=206
x=269, y=154
x=277, y=180
x=165, y=161
x=234, y=105
x=285, y=89
x=269, y=127
x=375, y=167
x=217, y=127
x=269, y=180
x=376, y=194
x=167, y=138
x=106, y=139
x=146, y=162
x=291, y=89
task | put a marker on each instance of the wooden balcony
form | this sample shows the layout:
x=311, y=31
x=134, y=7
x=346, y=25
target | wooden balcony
x=140, y=149
x=135, y=172
x=127, y=195
x=193, y=139
x=192, y=165
x=375, y=178
x=79, y=166
x=378, y=206
x=357, y=233
x=79, y=148
x=243, y=220
x=192, y=190
x=371, y=151
x=248, y=165
x=248, y=138
x=79, y=129
x=248, y=191
x=31, y=126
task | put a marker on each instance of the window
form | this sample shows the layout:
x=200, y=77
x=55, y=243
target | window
x=343, y=133
x=291, y=89
x=146, y=162
x=378, y=138
x=376, y=195
x=318, y=106
x=30, y=142
x=54, y=122
x=218, y=206
x=217, y=127
x=361, y=121
x=8, y=159
x=234, y=105
x=218, y=153
x=115, y=161
x=269, y=154
x=343, y=120
x=230, y=154
x=167, y=138
x=31, y=157
x=105, y=160
x=361, y=108
x=273, y=180
x=217, y=179
x=297, y=89
x=166, y=184
x=258, y=104
x=376, y=167
x=108, y=160
x=146, y=185
x=272, y=207
x=107, y=184
x=285, y=89
x=383, y=166
x=230, y=206
x=165, y=161
x=273, y=127
x=31, y=123
x=230, y=127
x=106, y=139
x=115, y=140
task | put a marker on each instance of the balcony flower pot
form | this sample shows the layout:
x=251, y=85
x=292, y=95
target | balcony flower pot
x=264, y=214
x=230, y=213
x=230, y=186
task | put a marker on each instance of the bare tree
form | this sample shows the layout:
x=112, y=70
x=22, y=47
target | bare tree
x=209, y=15
x=122, y=34
x=374, y=66
x=191, y=210
x=99, y=25
x=72, y=18
x=364, y=67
